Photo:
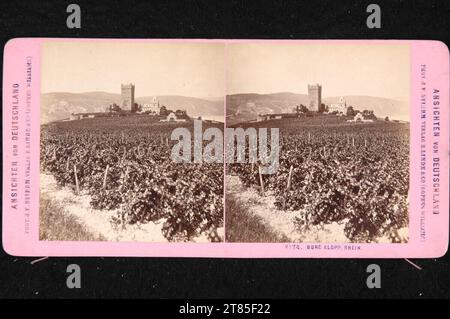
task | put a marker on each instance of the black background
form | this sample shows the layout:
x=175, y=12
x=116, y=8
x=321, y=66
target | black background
x=224, y=278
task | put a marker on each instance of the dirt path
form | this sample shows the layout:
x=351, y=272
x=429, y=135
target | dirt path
x=282, y=222
x=97, y=222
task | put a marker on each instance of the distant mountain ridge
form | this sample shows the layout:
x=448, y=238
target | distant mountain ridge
x=59, y=105
x=246, y=106
x=240, y=107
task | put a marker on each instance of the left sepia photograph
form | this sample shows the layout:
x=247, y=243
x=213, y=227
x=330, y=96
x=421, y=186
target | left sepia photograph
x=108, y=113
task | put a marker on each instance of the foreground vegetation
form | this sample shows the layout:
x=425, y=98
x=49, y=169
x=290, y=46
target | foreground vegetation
x=338, y=172
x=125, y=164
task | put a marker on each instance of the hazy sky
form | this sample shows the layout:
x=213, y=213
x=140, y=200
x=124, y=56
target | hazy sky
x=198, y=69
x=189, y=69
x=380, y=70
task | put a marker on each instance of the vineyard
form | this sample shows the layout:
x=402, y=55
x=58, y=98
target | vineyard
x=355, y=174
x=124, y=164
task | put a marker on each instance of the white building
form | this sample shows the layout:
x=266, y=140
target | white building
x=153, y=107
x=360, y=118
x=74, y=116
x=340, y=107
x=172, y=118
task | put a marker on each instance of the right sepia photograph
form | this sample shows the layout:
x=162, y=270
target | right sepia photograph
x=337, y=121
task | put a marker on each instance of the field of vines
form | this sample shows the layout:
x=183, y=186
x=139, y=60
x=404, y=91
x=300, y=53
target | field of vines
x=125, y=164
x=357, y=174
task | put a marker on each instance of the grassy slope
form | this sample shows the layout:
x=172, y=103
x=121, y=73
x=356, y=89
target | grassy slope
x=244, y=227
x=56, y=224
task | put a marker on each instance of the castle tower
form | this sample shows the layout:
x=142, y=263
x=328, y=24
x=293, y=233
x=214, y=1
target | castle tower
x=127, y=93
x=315, y=97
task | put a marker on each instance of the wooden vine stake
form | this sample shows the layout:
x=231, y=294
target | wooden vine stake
x=261, y=180
x=289, y=178
x=104, y=177
x=124, y=179
x=76, y=179
x=124, y=154
x=288, y=186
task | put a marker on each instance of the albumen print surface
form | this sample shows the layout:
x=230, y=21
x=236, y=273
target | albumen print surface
x=225, y=148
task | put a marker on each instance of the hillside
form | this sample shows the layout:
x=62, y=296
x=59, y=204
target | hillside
x=245, y=107
x=59, y=105
x=193, y=106
x=382, y=107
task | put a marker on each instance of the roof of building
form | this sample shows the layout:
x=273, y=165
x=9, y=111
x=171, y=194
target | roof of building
x=91, y=113
x=279, y=114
